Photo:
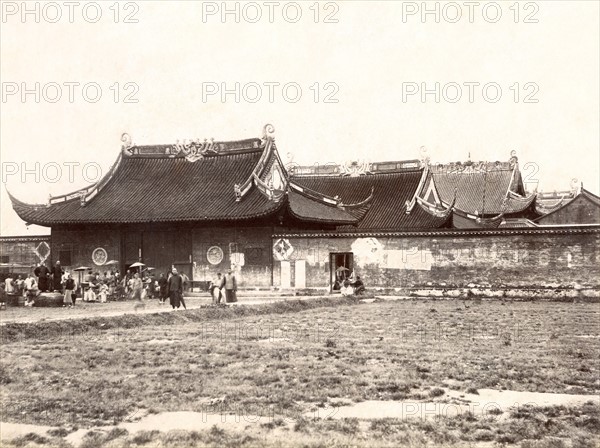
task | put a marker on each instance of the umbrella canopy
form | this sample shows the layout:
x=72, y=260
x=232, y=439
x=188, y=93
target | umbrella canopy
x=82, y=268
x=342, y=268
x=111, y=262
x=137, y=264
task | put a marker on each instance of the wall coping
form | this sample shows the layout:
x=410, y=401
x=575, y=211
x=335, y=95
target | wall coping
x=550, y=230
x=32, y=238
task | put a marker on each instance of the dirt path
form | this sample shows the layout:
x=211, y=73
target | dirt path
x=82, y=310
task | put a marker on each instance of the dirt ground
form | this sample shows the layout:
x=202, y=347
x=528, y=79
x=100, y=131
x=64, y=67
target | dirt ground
x=302, y=373
x=96, y=309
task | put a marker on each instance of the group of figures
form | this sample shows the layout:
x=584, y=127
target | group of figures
x=96, y=287
x=171, y=287
x=223, y=287
x=40, y=280
x=349, y=286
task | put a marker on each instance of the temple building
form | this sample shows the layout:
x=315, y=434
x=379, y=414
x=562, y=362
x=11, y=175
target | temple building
x=207, y=207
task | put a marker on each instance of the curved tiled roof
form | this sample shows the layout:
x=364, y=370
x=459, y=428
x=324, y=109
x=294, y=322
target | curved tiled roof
x=159, y=188
x=461, y=220
x=387, y=208
x=489, y=192
x=564, y=203
x=308, y=209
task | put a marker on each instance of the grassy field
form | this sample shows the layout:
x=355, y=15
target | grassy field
x=288, y=361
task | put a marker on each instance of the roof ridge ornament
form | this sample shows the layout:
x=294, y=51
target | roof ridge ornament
x=127, y=145
x=513, y=159
x=576, y=186
x=194, y=150
x=82, y=198
x=268, y=132
x=424, y=156
x=355, y=168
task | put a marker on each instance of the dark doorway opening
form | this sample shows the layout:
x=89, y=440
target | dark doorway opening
x=341, y=266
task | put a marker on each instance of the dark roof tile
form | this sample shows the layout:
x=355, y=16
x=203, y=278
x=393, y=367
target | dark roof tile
x=163, y=189
x=387, y=210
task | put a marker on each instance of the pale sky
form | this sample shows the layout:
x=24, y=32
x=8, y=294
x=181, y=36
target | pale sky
x=366, y=61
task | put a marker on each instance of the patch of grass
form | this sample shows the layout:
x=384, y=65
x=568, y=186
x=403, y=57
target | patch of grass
x=144, y=437
x=30, y=438
x=436, y=392
x=286, y=362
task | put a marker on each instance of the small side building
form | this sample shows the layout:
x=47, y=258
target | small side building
x=579, y=207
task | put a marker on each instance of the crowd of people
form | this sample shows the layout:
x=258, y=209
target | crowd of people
x=93, y=286
x=97, y=287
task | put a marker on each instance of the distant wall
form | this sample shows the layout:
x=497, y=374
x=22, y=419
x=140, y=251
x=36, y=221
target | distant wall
x=514, y=258
x=19, y=254
x=78, y=245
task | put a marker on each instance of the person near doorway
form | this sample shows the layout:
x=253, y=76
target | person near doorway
x=359, y=287
x=57, y=273
x=43, y=274
x=230, y=287
x=162, y=289
x=176, y=290
x=347, y=289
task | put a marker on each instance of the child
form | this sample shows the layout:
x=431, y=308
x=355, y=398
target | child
x=103, y=293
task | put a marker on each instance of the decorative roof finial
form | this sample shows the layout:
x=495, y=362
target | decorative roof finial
x=513, y=158
x=424, y=156
x=268, y=131
x=238, y=192
x=575, y=186
x=126, y=139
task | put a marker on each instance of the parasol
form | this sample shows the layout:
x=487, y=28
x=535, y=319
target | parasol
x=80, y=270
x=138, y=264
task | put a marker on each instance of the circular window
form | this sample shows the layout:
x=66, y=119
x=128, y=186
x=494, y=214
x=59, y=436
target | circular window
x=99, y=256
x=214, y=255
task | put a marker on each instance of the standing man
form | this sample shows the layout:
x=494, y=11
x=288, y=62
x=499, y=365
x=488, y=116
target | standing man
x=230, y=287
x=57, y=273
x=162, y=289
x=43, y=274
x=176, y=290
x=136, y=286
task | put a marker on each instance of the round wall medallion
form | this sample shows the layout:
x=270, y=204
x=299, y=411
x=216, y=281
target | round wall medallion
x=99, y=256
x=214, y=255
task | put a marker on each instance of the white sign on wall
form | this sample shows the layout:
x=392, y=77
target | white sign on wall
x=286, y=275
x=300, y=274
